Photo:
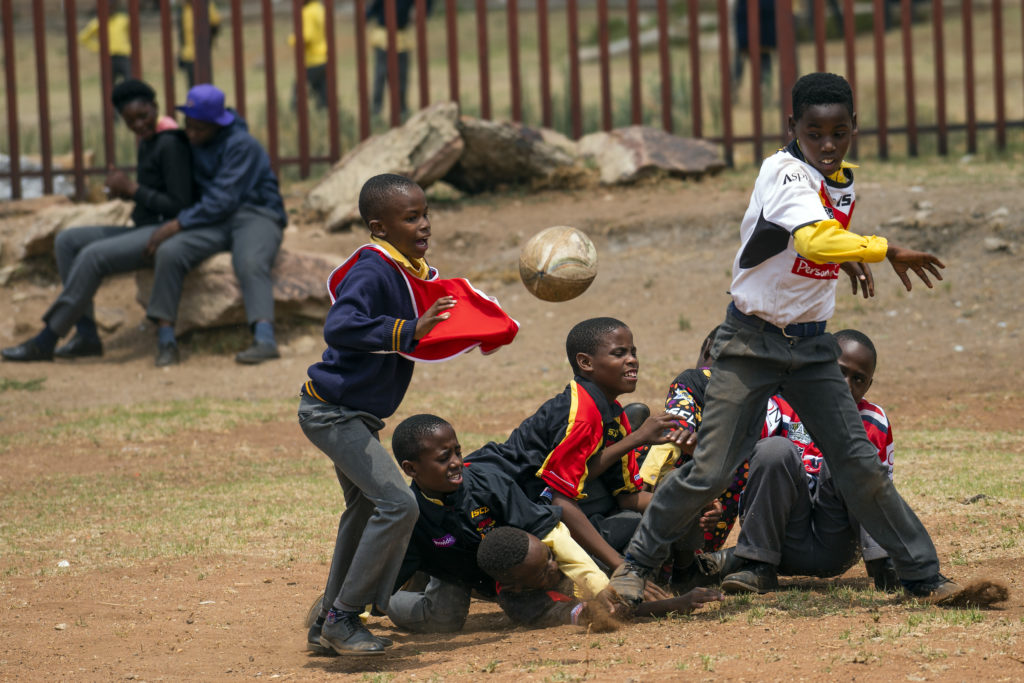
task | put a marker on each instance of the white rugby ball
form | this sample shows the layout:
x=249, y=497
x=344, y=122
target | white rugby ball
x=558, y=263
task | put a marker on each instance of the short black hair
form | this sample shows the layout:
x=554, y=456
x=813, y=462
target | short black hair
x=501, y=549
x=409, y=434
x=860, y=338
x=130, y=90
x=377, y=193
x=821, y=88
x=586, y=336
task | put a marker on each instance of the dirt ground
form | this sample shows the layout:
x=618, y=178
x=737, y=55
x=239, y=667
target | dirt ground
x=949, y=357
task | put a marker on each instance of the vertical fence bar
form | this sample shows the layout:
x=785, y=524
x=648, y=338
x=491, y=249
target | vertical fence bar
x=238, y=52
x=881, y=105
x=850, y=56
x=74, y=90
x=395, y=93
x=908, y=76
x=999, y=73
x=754, y=53
x=359, y=9
x=333, y=133
x=301, y=100
x=966, y=15
x=43, y=95
x=575, y=108
x=11, y=83
x=724, y=55
x=201, y=32
x=133, y=32
x=106, y=83
x=939, y=58
x=513, y=60
x=636, y=95
x=604, y=58
x=167, y=56
x=483, y=63
x=664, y=66
x=696, y=93
x=452, y=34
x=422, y=58
x=785, y=30
x=818, y=14
x=545, y=62
x=270, y=79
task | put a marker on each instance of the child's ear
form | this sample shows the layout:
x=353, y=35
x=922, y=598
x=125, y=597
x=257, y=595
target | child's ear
x=409, y=467
x=853, y=131
x=791, y=125
x=377, y=228
x=584, y=361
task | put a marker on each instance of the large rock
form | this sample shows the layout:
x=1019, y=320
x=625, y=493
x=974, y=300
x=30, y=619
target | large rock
x=212, y=298
x=423, y=149
x=505, y=153
x=37, y=239
x=625, y=155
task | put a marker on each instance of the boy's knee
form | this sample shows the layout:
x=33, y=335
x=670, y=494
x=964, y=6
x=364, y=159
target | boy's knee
x=773, y=452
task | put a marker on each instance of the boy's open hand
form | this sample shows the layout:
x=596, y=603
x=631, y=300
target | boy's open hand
x=711, y=516
x=433, y=315
x=860, y=275
x=663, y=428
x=920, y=262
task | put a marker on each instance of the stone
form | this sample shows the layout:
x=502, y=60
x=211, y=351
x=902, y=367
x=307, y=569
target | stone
x=626, y=155
x=424, y=149
x=505, y=153
x=212, y=297
x=37, y=240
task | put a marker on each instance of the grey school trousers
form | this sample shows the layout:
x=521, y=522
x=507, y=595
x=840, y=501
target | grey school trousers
x=784, y=523
x=380, y=508
x=750, y=364
x=442, y=607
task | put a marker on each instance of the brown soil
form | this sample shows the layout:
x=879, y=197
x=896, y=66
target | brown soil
x=949, y=357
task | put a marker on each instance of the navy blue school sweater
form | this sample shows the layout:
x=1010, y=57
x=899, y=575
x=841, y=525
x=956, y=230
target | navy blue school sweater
x=370, y=322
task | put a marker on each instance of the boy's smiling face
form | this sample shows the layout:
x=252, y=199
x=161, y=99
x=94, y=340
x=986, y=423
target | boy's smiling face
x=537, y=571
x=438, y=471
x=405, y=223
x=825, y=132
x=857, y=364
x=614, y=366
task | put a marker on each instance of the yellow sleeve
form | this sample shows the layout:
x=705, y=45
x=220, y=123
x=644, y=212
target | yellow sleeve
x=575, y=562
x=214, y=15
x=659, y=461
x=89, y=36
x=827, y=242
x=119, y=31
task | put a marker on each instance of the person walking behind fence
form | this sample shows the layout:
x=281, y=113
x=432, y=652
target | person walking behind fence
x=187, y=37
x=119, y=40
x=314, y=40
x=379, y=41
x=86, y=255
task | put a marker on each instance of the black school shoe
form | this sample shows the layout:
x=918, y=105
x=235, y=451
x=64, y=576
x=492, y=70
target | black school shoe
x=314, y=645
x=167, y=354
x=707, y=569
x=80, y=347
x=883, y=572
x=257, y=353
x=345, y=633
x=26, y=352
x=752, y=577
x=935, y=590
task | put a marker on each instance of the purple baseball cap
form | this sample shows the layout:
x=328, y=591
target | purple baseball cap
x=205, y=102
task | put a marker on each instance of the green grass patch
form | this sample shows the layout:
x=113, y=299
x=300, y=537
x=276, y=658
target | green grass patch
x=34, y=384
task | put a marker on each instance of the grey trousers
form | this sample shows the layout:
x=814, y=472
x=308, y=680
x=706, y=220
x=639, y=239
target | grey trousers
x=442, y=607
x=750, y=365
x=380, y=508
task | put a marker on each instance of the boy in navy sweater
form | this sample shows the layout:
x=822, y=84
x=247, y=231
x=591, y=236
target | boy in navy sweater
x=360, y=381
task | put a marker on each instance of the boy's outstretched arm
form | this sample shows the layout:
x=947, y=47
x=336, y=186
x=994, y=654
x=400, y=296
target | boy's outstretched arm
x=922, y=263
x=584, y=533
x=683, y=604
x=657, y=429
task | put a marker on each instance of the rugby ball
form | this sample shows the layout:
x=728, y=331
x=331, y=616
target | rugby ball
x=558, y=263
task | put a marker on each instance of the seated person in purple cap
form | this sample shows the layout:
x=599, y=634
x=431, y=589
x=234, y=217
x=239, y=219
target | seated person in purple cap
x=86, y=255
x=239, y=210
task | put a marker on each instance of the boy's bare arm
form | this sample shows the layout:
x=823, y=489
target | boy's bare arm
x=902, y=259
x=584, y=533
x=656, y=429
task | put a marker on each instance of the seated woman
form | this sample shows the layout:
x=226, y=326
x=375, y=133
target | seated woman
x=86, y=255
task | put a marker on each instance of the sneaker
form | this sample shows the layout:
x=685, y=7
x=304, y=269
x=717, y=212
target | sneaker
x=883, y=572
x=257, y=353
x=80, y=347
x=26, y=352
x=167, y=354
x=752, y=577
x=345, y=634
x=629, y=580
x=935, y=590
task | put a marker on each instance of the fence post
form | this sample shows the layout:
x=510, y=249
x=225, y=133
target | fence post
x=513, y=59
x=422, y=57
x=576, y=112
x=483, y=63
x=451, y=12
x=11, y=83
x=785, y=28
x=908, y=77
x=271, y=84
x=133, y=31
x=939, y=57
x=167, y=56
x=301, y=99
x=605, y=62
x=545, y=63
x=664, y=67
x=238, y=55
x=881, y=104
x=364, y=103
x=725, y=74
x=696, y=94
x=966, y=14
x=106, y=78
x=999, y=73
x=43, y=94
x=71, y=36
x=333, y=134
x=201, y=32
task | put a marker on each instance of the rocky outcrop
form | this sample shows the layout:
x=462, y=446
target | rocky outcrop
x=37, y=238
x=626, y=155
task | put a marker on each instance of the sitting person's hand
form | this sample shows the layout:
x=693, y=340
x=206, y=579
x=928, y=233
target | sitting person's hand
x=711, y=516
x=653, y=591
x=663, y=428
x=120, y=185
x=165, y=231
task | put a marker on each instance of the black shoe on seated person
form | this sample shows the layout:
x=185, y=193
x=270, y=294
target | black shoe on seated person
x=26, y=352
x=167, y=354
x=752, y=577
x=257, y=353
x=884, y=573
x=80, y=347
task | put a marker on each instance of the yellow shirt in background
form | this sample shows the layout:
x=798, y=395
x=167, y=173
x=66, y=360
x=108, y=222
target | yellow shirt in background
x=118, y=34
x=188, y=30
x=314, y=33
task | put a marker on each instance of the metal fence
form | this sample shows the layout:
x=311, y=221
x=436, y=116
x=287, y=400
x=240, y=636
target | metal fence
x=934, y=75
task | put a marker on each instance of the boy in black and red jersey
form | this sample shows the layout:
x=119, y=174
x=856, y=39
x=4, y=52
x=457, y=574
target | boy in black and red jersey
x=794, y=242
x=581, y=441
